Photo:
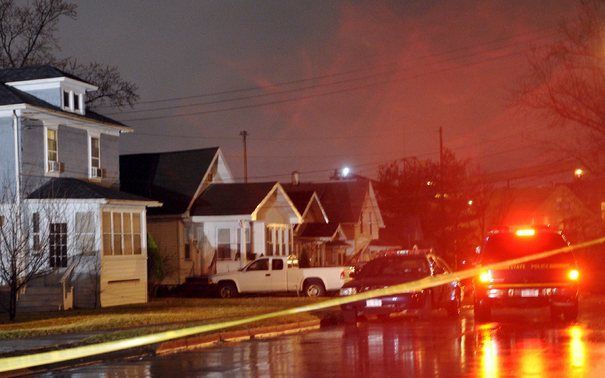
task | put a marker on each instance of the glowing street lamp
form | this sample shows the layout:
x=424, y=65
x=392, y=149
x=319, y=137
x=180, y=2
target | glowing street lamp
x=579, y=173
x=345, y=171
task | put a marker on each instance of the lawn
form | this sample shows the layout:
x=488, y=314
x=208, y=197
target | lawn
x=160, y=314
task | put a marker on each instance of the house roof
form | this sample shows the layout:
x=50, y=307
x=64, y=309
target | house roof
x=342, y=200
x=35, y=73
x=72, y=188
x=170, y=177
x=13, y=96
x=319, y=230
x=231, y=199
x=301, y=199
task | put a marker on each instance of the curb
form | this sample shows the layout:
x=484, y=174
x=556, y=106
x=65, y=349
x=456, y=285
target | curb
x=202, y=341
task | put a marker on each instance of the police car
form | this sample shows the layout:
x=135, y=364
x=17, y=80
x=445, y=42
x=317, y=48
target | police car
x=552, y=281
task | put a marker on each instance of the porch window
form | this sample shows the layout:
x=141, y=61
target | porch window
x=121, y=233
x=85, y=233
x=224, y=244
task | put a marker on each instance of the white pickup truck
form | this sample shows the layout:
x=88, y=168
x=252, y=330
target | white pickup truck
x=279, y=274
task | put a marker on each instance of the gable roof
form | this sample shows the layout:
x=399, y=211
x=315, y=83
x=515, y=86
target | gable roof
x=72, y=188
x=342, y=200
x=170, y=177
x=35, y=73
x=231, y=199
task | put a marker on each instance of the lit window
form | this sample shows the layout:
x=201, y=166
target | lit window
x=52, y=150
x=121, y=233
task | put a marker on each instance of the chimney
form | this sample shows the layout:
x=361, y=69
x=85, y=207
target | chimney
x=295, y=178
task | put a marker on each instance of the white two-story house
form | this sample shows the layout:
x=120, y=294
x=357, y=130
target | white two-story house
x=60, y=162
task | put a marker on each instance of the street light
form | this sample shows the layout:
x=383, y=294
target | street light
x=345, y=171
x=579, y=173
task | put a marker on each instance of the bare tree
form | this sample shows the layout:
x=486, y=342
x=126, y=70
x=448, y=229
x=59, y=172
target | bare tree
x=39, y=237
x=28, y=37
x=566, y=83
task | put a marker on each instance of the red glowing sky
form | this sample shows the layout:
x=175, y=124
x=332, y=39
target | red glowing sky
x=405, y=69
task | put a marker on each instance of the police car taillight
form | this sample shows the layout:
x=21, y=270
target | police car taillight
x=525, y=232
x=486, y=277
x=573, y=274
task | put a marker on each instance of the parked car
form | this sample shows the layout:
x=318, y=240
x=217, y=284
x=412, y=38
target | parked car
x=279, y=274
x=395, y=269
x=552, y=281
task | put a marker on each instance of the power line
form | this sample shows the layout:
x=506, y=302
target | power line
x=313, y=86
x=329, y=93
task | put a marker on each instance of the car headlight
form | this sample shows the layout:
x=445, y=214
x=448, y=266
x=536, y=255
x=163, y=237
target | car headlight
x=348, y=291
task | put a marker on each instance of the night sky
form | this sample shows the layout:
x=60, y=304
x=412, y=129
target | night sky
x=342, y=82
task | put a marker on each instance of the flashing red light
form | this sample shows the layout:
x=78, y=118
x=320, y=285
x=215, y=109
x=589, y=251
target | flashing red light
x=525, y=232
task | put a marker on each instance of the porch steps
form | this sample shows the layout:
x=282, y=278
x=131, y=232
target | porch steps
x=40, y=298
x=42, y=294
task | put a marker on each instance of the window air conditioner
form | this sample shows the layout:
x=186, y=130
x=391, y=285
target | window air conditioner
x=96, y=172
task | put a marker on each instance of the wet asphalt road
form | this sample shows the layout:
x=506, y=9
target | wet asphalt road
x=515, y=343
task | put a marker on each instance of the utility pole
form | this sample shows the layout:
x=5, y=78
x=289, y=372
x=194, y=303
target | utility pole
x=244, y=135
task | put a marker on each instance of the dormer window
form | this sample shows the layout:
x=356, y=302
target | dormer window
x=77, y=102
x=73, y=102
x=66, y=100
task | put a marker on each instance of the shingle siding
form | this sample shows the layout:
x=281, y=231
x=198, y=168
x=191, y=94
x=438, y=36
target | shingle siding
x=32, y=158
x=110, y=160
x=73, y=151
x=7, y=157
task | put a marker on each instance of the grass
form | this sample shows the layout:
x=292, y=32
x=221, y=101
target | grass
x=158, y=315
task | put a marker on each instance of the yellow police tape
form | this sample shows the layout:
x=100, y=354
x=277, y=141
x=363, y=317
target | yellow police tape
x=47, y=358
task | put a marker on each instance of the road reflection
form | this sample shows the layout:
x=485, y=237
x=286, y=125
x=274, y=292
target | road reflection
x=535, y=349
x=510, y=346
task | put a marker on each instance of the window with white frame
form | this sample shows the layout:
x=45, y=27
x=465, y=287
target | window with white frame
x=36, y=241
x=95, y=157
x=52, y=150
x=121, y=233
x=85, y=233
x=224, y=244
x=77, y=98
x=66, y=100
x=72, y=101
